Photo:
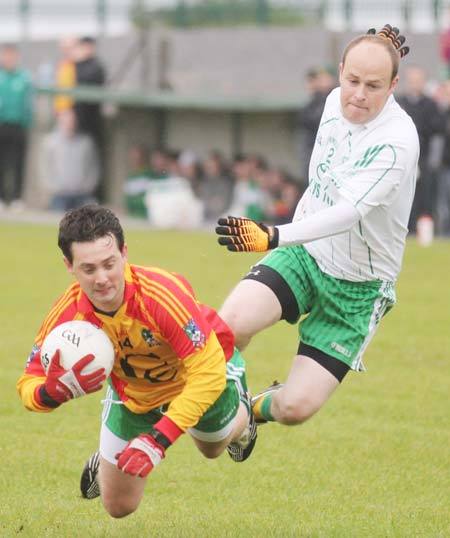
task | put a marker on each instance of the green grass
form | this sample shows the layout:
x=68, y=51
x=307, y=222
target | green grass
x=375, y=462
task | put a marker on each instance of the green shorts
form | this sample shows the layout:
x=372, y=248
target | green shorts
x=338, y=317
x=214, y=425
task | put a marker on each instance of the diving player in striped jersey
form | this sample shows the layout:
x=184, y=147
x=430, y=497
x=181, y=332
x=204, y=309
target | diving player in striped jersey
x=176, y=367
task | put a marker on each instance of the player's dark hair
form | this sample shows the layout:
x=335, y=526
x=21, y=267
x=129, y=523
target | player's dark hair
x=88, y=223
x=88, y=40
x=9, y=46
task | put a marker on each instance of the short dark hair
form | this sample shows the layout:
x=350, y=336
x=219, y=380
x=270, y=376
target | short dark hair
x=88, y=40
x=88, y=223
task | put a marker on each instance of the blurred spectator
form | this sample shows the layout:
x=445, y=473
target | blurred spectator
x=444, y=50
x=149, y=172
x=291, y=193
x=159, y=163
x=159, y=188
x=189, y=168
x=319, y=83
x=16, y=110
x=69, y=167
x=89, y=71
x=65, y=75
x=216, y=187
x=284, y=193
x=248, y=198
x=172, y=162
x=257, y=168
x=429, y=121
x=172, y=203
x=443, y=176
x=137, y=181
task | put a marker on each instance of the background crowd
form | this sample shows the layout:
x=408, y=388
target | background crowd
x=167, y=186
x=246, y=185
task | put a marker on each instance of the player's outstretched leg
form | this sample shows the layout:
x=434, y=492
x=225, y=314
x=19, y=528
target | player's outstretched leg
x=241, y=449
x=88, y=484
x=261, y=403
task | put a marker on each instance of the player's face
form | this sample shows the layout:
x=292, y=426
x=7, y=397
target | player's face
x=99, y=268
x=365, y=81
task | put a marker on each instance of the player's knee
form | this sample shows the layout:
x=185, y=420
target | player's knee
x=242, y=340
x=211, y=452
x=297, y=411
x=240, y=326
x=122, y=507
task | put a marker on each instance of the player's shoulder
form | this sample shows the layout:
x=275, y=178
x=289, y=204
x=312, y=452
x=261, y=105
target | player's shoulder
x=66, y=306
x=395, y=125
x=332, y=108
x=333, y=101
x=398, y=113
x=71, y=295
x=153, y=277
x=149, y=271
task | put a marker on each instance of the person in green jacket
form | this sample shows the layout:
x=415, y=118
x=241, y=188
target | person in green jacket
x=16, y=111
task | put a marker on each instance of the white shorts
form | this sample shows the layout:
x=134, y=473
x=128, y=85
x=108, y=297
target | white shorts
x=111, y=444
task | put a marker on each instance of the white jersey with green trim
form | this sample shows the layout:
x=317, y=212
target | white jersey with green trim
x=374, y=167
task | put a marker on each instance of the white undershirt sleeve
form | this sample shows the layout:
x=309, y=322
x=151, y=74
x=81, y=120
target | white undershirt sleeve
x=331, y=221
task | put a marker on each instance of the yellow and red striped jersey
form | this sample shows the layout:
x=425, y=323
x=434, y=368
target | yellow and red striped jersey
x=169, y=348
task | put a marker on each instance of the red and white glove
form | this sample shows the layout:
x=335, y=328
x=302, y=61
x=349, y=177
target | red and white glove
x=140, y=455
x=63, y=385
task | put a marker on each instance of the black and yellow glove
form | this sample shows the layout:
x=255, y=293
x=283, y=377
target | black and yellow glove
x=246, y=235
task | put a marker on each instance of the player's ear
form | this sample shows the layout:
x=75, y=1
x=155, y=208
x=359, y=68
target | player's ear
x=68, y=265
x=394, y=84
x=125, y=252
x=341, y=67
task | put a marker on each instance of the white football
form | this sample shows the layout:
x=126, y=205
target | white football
x=75, y=339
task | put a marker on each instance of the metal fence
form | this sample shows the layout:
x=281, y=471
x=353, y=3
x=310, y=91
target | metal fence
x=29, y=19
x=417, y=15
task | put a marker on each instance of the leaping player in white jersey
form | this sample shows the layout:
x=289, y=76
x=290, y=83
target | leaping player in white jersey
x=333, y=269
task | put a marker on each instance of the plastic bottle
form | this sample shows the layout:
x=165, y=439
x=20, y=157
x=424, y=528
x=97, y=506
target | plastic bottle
x=425, y=230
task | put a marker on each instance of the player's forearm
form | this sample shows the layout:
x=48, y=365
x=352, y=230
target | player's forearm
x=28, y=387
x=331, y=221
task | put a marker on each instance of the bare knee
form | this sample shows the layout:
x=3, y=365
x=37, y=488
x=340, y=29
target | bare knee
x=119, y=507
x=295, y=411
x=121, y=493
x=240, y=326
x=245, y=321
x=308, y=387
x=211, y=452
x=241, y=340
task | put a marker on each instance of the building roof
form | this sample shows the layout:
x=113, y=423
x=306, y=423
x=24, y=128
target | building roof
x=169, y=99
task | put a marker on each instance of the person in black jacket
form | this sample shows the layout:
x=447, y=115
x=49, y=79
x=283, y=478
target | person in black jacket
x=319, y=83
x=429, y=122
x=89, y=72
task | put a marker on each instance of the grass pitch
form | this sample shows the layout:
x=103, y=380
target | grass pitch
x=374, y=462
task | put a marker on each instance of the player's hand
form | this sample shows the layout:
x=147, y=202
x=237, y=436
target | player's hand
x=140, y=455
x=240, y=234
x=63, y=385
